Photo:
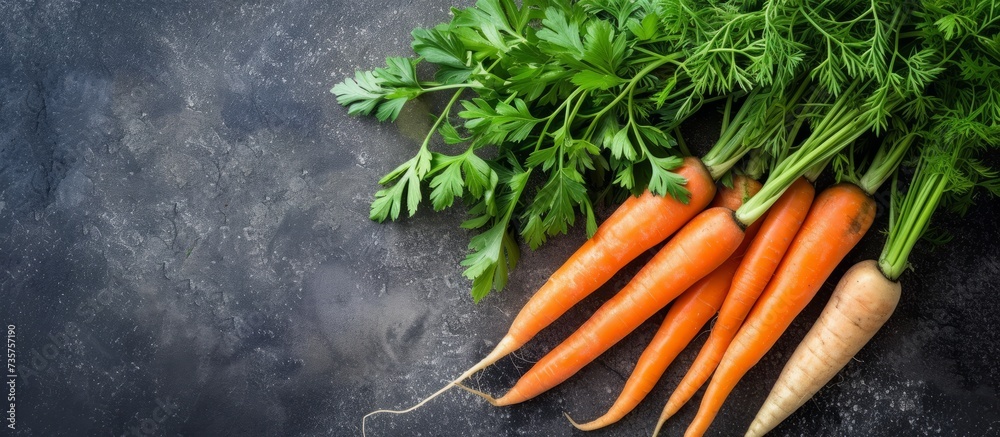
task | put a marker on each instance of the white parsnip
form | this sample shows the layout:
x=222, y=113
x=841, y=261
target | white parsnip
x=861, y=303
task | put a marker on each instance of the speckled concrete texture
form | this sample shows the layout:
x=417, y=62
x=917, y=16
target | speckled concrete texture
x=185, y=251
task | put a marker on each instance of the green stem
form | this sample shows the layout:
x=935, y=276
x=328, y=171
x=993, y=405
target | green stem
x=770, y=109
x=840, y=129
x=681, y=144
x=635, y=129
x=913, y=222
x=552, y=116
x=473, y=85
x=440, y=119
x=930, y=182
x=813, y=172
x=730, y=147
x=726, y=113
x=756, y=165
x=885, y=162
x=628, y=89
x=652, y=54
x=737, y=147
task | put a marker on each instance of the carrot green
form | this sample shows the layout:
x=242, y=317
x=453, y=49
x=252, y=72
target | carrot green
x=552, y=105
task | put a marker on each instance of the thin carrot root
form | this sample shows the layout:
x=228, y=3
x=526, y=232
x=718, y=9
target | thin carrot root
x=660, y=422
x=492, y=400
x=418, y=405
x=577, y=425
x=861, y=303
x=506, y=346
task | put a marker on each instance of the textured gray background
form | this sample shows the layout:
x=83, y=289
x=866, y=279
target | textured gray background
x=185, y=250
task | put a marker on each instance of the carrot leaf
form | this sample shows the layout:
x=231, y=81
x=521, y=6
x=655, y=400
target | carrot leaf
x=588, y=97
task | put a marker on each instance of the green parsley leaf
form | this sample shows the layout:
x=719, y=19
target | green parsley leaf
x=560, y=34
x=592, y=80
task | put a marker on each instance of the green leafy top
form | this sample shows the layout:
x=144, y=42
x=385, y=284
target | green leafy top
x=556, y=103
x=561, y=92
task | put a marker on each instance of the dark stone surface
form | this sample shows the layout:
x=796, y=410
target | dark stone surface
x=185, y=250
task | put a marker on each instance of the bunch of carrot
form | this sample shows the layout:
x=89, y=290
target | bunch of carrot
x=709, y=249
x=753, y=255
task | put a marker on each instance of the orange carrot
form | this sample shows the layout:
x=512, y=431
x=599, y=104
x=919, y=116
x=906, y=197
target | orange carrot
x=639, y=224
x=838, y=219
x=685, y=319
x=778, y=229
x=636, y=226
x=700, y=247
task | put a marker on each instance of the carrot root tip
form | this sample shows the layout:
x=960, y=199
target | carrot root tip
x=588, y=426
x=492, y=400
x=418, y=405
x=659, y=423
x=570, y=419
x=506, y=346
